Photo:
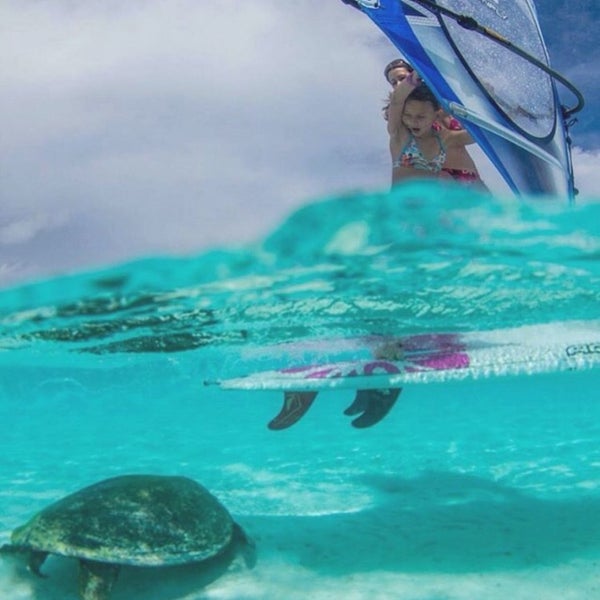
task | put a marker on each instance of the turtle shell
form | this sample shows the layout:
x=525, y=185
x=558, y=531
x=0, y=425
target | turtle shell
x=144, y=520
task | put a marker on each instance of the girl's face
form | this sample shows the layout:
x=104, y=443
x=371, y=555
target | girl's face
x=418, y=117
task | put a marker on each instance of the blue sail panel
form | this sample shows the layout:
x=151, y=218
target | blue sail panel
x=508, y=105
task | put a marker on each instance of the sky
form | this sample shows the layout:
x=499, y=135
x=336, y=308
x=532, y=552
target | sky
x=154, y=127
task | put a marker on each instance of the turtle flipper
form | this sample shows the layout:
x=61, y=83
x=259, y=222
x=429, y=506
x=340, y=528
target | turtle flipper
x=246, y=545
x=295, y=405
x=96, y=579
x=374, y=405
x=35, y=562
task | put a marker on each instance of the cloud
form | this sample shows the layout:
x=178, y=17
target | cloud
x=168, y=126
x=587, y=178
x=22, y=230
x=185, y=124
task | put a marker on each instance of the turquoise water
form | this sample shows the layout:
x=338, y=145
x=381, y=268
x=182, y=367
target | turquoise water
x=467, y=490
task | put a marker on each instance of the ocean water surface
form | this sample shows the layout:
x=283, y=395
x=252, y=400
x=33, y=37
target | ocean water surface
x=486, y=488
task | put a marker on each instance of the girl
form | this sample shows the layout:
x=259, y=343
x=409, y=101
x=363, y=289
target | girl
x=419, y=146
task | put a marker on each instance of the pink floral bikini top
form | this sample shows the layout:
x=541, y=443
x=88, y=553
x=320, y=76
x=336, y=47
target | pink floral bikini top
x=411, y=156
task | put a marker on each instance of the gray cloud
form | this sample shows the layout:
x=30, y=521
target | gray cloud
x=168, y=127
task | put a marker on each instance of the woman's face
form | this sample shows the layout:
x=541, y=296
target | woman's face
x=418, y=117
x=395, y=76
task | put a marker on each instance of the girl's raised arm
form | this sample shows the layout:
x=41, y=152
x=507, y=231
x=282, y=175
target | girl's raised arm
x=397, y=99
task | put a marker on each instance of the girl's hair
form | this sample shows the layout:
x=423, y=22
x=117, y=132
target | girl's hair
x=387, y=101
x=423, y=94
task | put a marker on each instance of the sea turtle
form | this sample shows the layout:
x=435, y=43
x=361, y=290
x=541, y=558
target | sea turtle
x=142, y=520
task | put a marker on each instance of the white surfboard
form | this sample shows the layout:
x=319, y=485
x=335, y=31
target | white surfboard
x=442, y=357
x=421, y=359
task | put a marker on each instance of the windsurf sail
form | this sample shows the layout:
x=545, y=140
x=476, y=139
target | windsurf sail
x=487, y=63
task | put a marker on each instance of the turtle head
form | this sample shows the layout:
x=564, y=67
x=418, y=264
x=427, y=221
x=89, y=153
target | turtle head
x=9, y=549
x=12, y=549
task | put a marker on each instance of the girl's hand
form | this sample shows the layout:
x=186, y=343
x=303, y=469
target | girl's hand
x=412, y=79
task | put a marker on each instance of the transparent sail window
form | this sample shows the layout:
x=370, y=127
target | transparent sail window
x=522, y=91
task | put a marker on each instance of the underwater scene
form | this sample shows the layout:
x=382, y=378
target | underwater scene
x=485, y=486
